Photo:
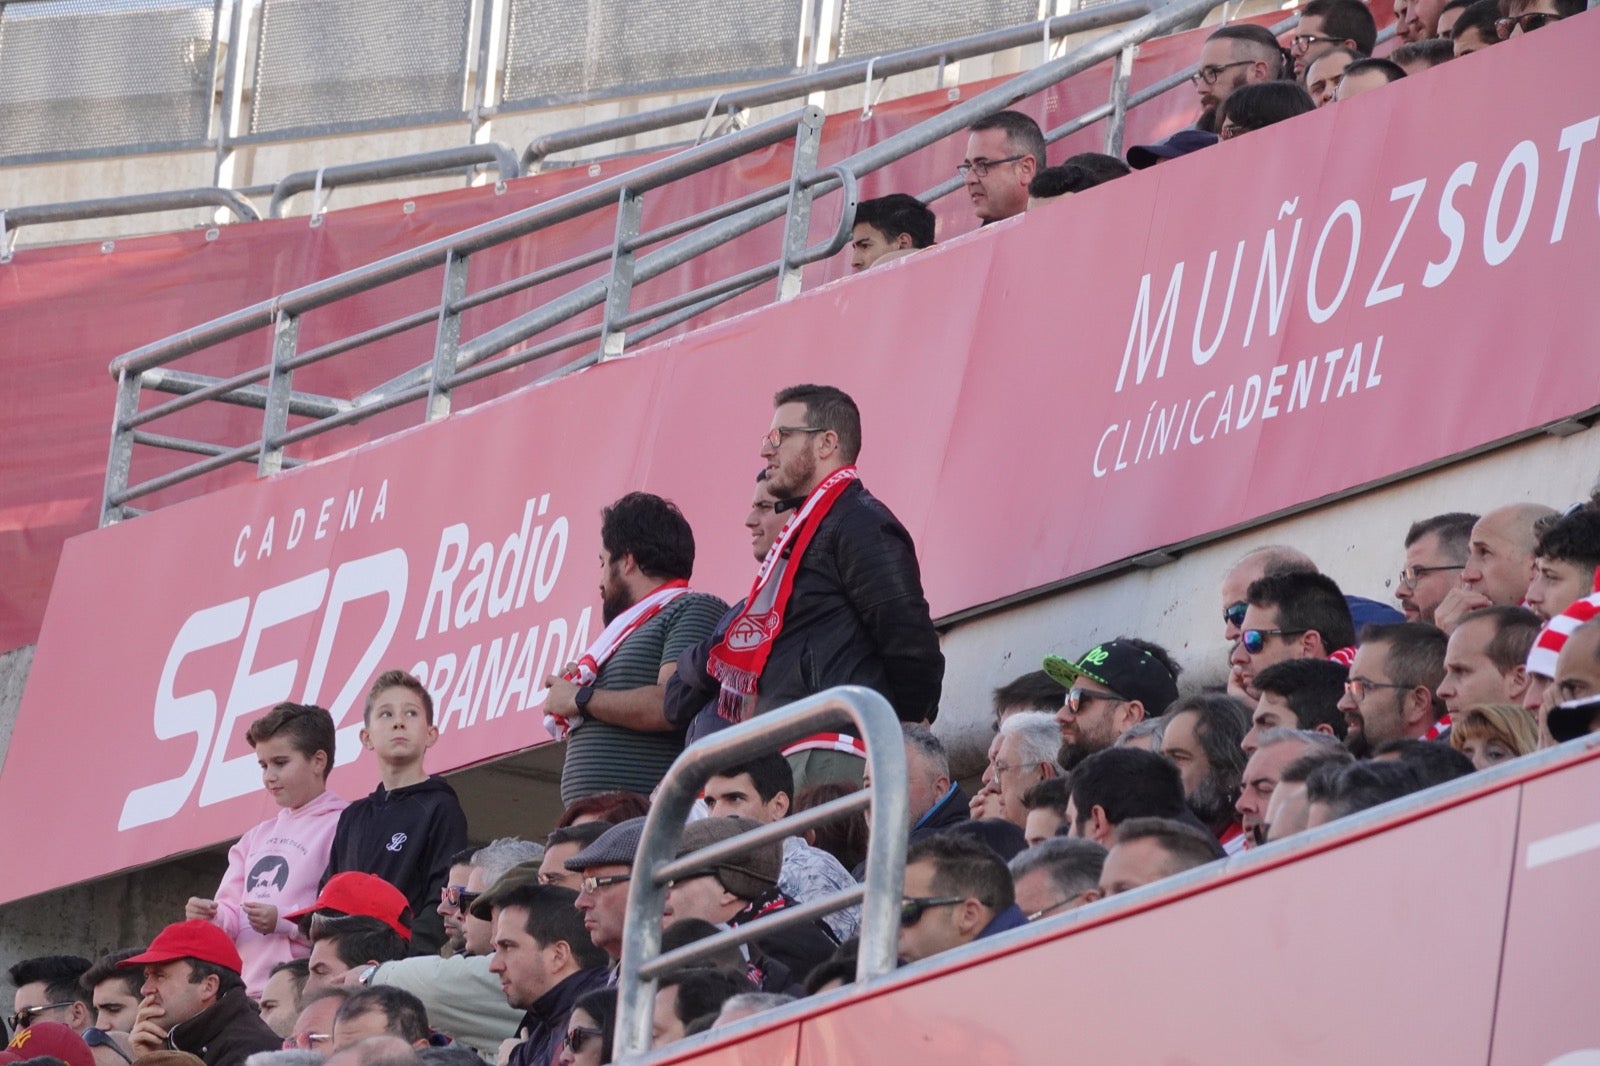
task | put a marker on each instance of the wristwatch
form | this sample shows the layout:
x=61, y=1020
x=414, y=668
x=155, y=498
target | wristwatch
x=581, y=699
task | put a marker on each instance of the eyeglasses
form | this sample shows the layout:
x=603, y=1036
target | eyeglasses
x=578, y=1038
x=1529, y=22
x=1358, y=687
x=1256, y=639
x=776, y=436
x=24, y=1017
x=592, y=885
x=452, y=895
x=1412, y=574
x=981, y=167
x=307, y=1041
x=1077, y=697
x=1234, y=613
x=1209, y=75
x=1305, y=40
x=465, y=900
x=1069, y=901
x=913, y=907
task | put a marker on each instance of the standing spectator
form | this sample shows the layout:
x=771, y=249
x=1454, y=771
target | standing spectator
x=406, y=831
x=275, y=867
x=545, y=961
x=1328, y=24
x=1436, y=553
x=1112, y=786
x=1392, y=693
x=1060, y=874
x=1110, y=687
x=839, y=598
x=1241, y=53
x=49, y=989
x=1323, y=74
x=1484, y=659
x=898, y=222
x=1004, y=152
x=1290, y=616
x=610, y=702
x=956, y=891
x=194, y=998
x=1254, y=107
x=1492, y=733
x=1202, y=738
x=113, y=991
x=1565, y=561
x=1298, y=694
x=1500, y=562
x=1147, y=850
x=1278, y=748
x=1029, y=743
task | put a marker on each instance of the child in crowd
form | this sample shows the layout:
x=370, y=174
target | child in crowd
x=275, y=867
x=407, y=830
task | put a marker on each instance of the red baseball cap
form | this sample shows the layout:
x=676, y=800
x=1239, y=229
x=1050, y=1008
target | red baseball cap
x=194, y=939
x=48, y=1038
x=366, y=895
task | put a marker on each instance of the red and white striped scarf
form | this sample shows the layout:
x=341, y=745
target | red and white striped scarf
x=1547, y=645
x=737, y=662
x=606, y=644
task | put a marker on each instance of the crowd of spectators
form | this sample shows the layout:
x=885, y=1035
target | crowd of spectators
x=369, y=933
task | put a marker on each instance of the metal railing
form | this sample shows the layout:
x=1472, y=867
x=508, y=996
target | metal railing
x=117, y=206
x=316, y=182
x=656, y=865
x=456, y=362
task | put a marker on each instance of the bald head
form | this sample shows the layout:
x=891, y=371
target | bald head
x=1500, y=559
x=1255, y=564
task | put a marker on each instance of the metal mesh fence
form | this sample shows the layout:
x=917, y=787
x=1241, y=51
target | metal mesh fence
x=79, y=76
x=327, y=65
x=574, y=48
x=875, y=27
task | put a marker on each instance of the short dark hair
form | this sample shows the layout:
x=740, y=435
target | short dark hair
x=685, y=931
x=1312, y=688
x=898, y=213
x=298, y=970
x=1390, y=70
x=1259, y=40
x=1415, y=657
x=403, y=1013
x=1022, y=133
x=1347, y=20
x=108, y=967
x=843, y=838
x=358, y=938
x=60, y=974
x=1573, y=538
x=1072, y=863
x=1082, y=171
x=612, y=808
x=601, y=1005
x=770, y=773
x=307, y=728
x=962, y=866
x=1480, y=15
x=1515, y=630
x=397, y=679
x=1435, y=761
x=702, y=990
x=583, y=834
x=1263, y=103
x=1053, y=793
x=1126, y=783
x=1367, y=784
x=1303, y=768
x=1186, y=846
x=227, y=980
x=1310, y=602
x=828, y=408
x=1453, y=528
x=1433, y=51
x=1034, y=691
x=553, y=917
x=653, y=531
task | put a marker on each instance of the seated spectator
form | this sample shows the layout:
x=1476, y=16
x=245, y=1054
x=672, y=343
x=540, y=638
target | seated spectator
x=284, y=995
x=1366, y=75
x=1202, y=739
x=1328, y=24
x=1145, y=735
x=1289, y=807
x=1525, y=16
x=685, y=931
x=1322, y=76
x=1449, y=15
x=1004, y=152
x=1577, y=680
x=1436, y=554
x=1491, y=733
x=1574, y=718
x=1252, y=107
x=956, y=891
x=1236, y=55
x=1110, y=787
x=1082, y=171
x=1337, y=792
x=1475, y=30
x=1003, y=838
x=1393, y=691
x=838, y=972
x=562, y=844
x=1294, y=615
x=356, y=894
x=49, y=988
x=1542, y=657
x=607, y=808
x=1111, y=687
x=544, y=961
x=1298, y=694
x=935, y=801
x=1033, y=691
x=589, y=1030
x=1565, y=560
x=313, y=1029
x=843, y=838
x=1145, y=156
x=1262, y=774
x=1484, y=659
x=353, y=942
x=898, y=222
x=1435, y=763
x=381, y=1011
x=47, y=1044
x=1418, y=56
x=1029, y=743
x=1268, y=561
x=194, y=998
x=1147, y=850
x=114, y=991
x=1500, y=562
x=748, y=1005
x=1422, y=21
x=1059, y=874
x=1047, y=809
x=606, y=867
x=684, y=996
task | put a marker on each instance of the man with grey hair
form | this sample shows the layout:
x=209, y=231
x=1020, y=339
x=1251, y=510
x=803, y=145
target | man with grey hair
x=935, y=802
x=461, y=996
x=745, y=1004
x=1275, y=749
x=1145, y=734
x=1062, y=873
x=1290, y=806
x=1026, y=755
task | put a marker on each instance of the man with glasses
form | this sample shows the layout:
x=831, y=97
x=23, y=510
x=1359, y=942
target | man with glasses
x=48, y=989
x=1004, y=152
x=1436, y=553
x=1525, y=16
x=606, y=867
x=1238, y=54
x=1289, y=616
x=1056, y=876
x=957, y=890
x=1393, y=689
x=1110, y=687
x=1327, y=24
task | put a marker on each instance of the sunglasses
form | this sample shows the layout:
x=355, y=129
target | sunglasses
x=1254, y=640
x=913, y=907
x=24, y=1017
x=1077, y=697
x=578, y=1038
x=1234, y=613
x=1533, y=20
x=100, y=1038
x=452, y=895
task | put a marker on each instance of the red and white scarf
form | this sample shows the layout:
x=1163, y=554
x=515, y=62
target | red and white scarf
x=738, y=661
x=606, y=644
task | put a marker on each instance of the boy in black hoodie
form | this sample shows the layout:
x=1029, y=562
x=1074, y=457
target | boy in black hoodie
x=407, y=830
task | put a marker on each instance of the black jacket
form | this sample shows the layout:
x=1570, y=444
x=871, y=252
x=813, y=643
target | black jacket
x=856, y=616
x=799, y=948
x=546, y=1022
x=225, y=1033
x=407, y=838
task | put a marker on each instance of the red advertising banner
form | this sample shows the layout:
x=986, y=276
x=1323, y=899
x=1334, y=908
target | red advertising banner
x=1122, y=370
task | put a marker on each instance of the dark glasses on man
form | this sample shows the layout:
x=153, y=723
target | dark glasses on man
x=1254, y=640
x=912, y=908
x=578, y=1038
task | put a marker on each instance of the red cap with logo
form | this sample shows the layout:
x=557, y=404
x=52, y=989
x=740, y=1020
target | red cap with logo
x=194, y=939
x=48, y=1038
x=366, y=895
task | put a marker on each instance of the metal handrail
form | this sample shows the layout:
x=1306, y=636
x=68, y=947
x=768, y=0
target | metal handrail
x=13, y=219
x=656, y=863
x=494, y=154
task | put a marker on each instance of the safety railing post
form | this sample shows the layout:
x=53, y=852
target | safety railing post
x=120, y=462
x=797, y=223
x=619, y=289
x=447, y=340
x=1121, y=73
x=285, y=340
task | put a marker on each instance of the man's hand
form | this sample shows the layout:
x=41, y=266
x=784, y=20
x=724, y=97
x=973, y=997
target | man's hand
x=148, y=1035
x=506, y=1045
x=1236, y=685
x=1458, y=603
x=263, y=917
x=985, y=804
x=559, y=701
x=203, y=909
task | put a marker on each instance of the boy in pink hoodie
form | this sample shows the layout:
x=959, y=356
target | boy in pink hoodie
x=275, y=867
